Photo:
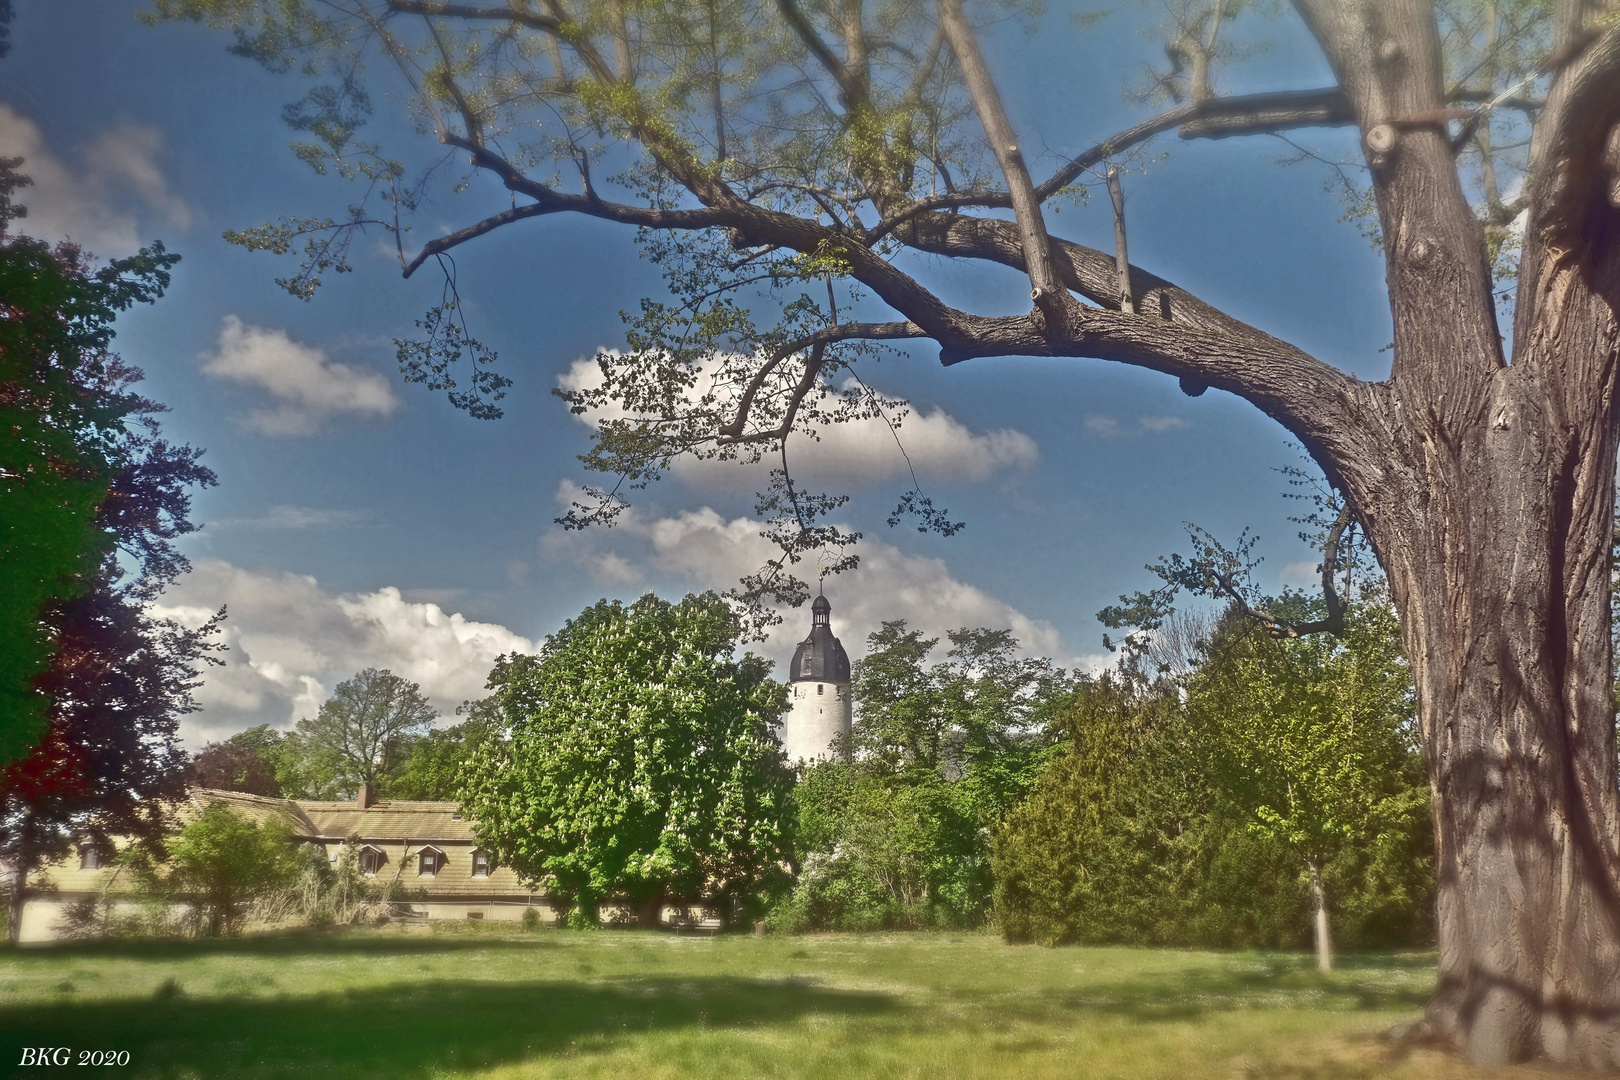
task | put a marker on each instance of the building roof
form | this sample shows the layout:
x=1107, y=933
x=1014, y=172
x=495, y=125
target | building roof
x=820, y=657
x=389, y=819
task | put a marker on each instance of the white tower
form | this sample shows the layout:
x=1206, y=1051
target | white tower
x=818, y=690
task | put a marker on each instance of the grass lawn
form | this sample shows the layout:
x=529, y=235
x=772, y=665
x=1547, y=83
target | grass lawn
x=479, y=1001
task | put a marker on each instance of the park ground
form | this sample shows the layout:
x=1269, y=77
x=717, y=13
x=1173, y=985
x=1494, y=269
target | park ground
x=454, y=1001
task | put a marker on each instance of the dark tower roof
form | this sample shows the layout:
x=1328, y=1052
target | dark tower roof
x=820, y=657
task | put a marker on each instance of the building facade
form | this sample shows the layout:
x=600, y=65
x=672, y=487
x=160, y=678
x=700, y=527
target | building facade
x=427, y=849
x=820, y=713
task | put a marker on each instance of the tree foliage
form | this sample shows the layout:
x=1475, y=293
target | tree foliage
x=220, y=863
x=636, y=758
x=898, y=836
x=1188, y=810
x=73, y=423
x=434, y=768
x=229, y=766
x=92, y=498
x=362, y=735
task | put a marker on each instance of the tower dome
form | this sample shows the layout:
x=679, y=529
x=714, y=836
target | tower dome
x=818, y=691
x=820, y=657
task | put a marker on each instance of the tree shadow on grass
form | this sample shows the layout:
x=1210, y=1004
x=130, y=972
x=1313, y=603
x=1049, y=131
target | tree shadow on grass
x=411, y=1030
x=1369, y=983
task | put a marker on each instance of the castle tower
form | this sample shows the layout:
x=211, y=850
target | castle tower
x=818, y=691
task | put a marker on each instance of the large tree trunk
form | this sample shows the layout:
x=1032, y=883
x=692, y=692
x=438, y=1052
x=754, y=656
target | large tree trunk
x=1487, y=489
x=1503, y=586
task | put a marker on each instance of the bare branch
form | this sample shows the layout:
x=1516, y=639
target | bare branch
x=1052, y=300
x=733, y=432
x=850, y=91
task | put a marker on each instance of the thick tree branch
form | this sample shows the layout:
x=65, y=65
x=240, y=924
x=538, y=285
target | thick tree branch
x=521, y=16
x=548, y=201
x=1263, y=114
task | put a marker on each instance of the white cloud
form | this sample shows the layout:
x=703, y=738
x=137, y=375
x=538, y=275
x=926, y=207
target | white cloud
x=297, y=518
x=291, y=642
x=309, y=388
x=862, y=451
x=1107, y=427
x=97, y=198
x=706, y=550
x=1301, y=574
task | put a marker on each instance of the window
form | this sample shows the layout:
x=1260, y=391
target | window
x=480, y=864
x=90, y=857
x=820, y=689
x=429, y=862
x=371, y=860
x=475, y=914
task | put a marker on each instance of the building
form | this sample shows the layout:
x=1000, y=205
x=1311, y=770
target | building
x=427, y=849
x=818, y=692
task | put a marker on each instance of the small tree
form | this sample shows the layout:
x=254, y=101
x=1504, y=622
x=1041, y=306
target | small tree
x=638, y=759
x=220, y=863
x=363, y=732
x=1312, y=738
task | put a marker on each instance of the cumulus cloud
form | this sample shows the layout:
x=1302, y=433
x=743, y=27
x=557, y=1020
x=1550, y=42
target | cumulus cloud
x=707, y=550
x=1107, y=427
x=98, y=197
x=309, y=388
x=862, y=451
x=291, y=642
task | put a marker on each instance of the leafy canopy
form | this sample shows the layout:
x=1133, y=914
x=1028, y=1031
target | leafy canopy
x=636, y=757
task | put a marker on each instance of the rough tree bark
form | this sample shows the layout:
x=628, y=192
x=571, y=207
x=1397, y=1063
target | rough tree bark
x=1487, y=491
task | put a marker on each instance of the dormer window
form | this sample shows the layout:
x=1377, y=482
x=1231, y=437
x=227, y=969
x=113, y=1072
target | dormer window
x=91, y=857
x=480, y=864
x=429, y=862
x=371, y=860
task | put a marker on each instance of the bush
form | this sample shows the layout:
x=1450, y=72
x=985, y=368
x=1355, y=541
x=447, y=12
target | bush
x=219, y=865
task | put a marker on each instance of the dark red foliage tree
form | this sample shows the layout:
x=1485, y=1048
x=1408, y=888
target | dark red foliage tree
x=118, y=678
x=229, y=767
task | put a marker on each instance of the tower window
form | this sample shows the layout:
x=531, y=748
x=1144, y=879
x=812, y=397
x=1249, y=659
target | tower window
x=820, y=688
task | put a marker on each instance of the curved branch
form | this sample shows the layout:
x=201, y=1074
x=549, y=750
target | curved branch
x=733, y=432
x=1287, y=628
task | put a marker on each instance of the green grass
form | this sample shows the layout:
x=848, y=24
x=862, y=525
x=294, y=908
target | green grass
x=473, y=1001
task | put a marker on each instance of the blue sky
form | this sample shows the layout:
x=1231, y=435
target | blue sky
x=363, y=522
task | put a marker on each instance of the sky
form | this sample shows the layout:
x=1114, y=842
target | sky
x=362, y=522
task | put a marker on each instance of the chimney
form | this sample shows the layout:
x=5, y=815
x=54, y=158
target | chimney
x=365, y=796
